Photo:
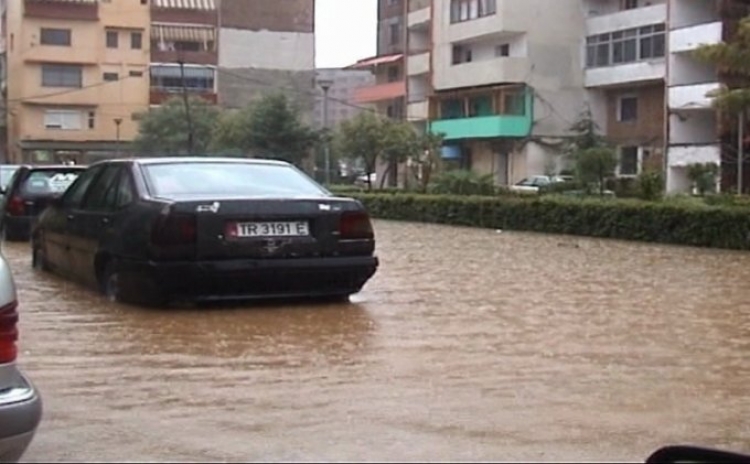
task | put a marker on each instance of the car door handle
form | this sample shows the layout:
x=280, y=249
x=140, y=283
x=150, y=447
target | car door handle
x=71, y=217
x=105, y=220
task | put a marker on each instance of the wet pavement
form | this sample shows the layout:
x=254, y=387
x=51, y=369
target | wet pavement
x=466, y=345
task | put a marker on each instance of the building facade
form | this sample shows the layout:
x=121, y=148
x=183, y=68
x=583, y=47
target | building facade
x=504, y=81
x=344, y=83
x=83, y=71
x=78, y=77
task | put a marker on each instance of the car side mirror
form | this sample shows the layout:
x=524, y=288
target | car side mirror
x=695, y=455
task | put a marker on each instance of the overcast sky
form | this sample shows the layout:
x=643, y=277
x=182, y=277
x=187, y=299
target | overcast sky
x=345, y=31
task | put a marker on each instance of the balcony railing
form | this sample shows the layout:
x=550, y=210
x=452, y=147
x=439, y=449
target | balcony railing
x=77, y=10
x=158, y=95
x=189, y=57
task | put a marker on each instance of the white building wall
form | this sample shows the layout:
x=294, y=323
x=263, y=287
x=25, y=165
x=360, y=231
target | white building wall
x=290, y=51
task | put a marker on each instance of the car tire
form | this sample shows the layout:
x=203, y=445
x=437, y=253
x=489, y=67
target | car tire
x=110, y=282
x=38, y=260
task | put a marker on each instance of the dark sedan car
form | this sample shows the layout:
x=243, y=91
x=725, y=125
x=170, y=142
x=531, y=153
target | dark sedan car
x=28, y=193
x=153, y=230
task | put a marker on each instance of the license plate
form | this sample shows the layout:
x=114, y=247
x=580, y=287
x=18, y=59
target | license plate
x=272, y=229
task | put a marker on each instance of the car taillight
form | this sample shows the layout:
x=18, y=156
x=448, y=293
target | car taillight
x=16, y=206
x=8, y=332
x=174, y=230
x=355, y=225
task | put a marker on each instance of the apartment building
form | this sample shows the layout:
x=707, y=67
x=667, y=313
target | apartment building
x=267, y=45
x=506, y=83
x=183, y=41
x=78, y=77
x=83, y=71
x=344, y=83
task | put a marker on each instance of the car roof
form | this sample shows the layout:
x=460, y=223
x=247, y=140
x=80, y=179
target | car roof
x=47, y=167
x=196, y=159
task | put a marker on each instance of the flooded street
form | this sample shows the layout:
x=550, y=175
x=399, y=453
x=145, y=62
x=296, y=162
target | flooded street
x=466, y=345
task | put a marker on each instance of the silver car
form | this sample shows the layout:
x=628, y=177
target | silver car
x=20, y=403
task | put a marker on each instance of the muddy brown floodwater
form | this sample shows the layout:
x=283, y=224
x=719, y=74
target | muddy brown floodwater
x=467, y=345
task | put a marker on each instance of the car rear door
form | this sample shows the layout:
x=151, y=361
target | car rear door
x=94, y=219
x=58, y=222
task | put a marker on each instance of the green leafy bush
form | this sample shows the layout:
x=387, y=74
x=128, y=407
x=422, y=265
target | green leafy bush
x=660, y=222
x=462, y=182
x=650, y=185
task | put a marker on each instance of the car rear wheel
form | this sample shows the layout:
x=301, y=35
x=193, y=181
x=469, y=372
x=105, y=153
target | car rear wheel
x=118, y=289
x=38, y=260
x=110, y=282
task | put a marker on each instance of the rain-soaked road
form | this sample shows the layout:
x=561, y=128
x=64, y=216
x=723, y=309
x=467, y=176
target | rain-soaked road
x=467, y=345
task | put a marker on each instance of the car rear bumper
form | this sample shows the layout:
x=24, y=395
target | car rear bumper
x=20, y=413
x=257, y=278
x=19, y=226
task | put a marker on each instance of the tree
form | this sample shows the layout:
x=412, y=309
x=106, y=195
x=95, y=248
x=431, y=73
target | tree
x=585, y=134
x=427, y=159
x=371, y=138
x=164, y=130
x=703, y=177
x=270, y=128
x=595, y=165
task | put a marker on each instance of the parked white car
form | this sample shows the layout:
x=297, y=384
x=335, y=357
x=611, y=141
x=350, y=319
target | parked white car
x=20, y=403
x=532, y=184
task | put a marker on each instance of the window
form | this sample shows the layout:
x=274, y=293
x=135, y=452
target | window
x=628, y=46
x=97, y=197
x=77, y=190
x=628, y=161
x=627, y=109
x=480, y=106
x=62, y=75
x=197, y=78
x=208, y=178
x=514, y=103
x=395, y=33
x=110, y=76
x=461, y=54
x=125, y=190
x=502, y=50
x=92, y=119
x=629, y=4
x=393, y=73
x=54, y=37
x=136, y=40
x=135, y=74
x=46, y=181
x=452, y=108
x=112, y=39
x=63, y=120
x=466, y=10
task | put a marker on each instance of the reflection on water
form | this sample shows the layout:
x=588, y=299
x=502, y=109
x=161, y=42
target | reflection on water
x=466, y=345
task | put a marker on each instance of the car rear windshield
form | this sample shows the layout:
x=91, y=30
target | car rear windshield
x=241, y=179
x=49, y=181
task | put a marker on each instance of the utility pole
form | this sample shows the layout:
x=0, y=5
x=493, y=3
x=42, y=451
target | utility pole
x=326, y=84
x=740, y=150
x=118, y=121
x=186, y=100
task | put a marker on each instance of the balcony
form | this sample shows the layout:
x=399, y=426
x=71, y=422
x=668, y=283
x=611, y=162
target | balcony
x=419, y=19
x=482, y=127
x=511, y=17
x=158, y=95
x=684, y=155
x=630, y=73
x=84, y=54
x=77, y=10
x=184, y=11
x=418, y=110
x=628, y=19
x=691, y=97
x=687, y=39
x=380, y=92
x=418, y=64
x=188, y=57
x=477, y=73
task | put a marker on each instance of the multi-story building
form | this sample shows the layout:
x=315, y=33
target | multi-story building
x=78, y=76
x=265, y=46
x=625, y=72
x=343, y=85
x=82, y=71
x=183, y=41
x=504, y=81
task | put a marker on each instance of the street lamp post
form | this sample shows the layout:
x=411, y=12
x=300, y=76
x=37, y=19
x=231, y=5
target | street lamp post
x=118, y=121
x=326, y=84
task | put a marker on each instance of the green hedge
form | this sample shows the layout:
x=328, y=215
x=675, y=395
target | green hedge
x=660, y=222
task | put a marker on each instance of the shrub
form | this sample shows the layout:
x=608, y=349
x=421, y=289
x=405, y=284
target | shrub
x=663, y=222
x=462, y=182
x=650, y=185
